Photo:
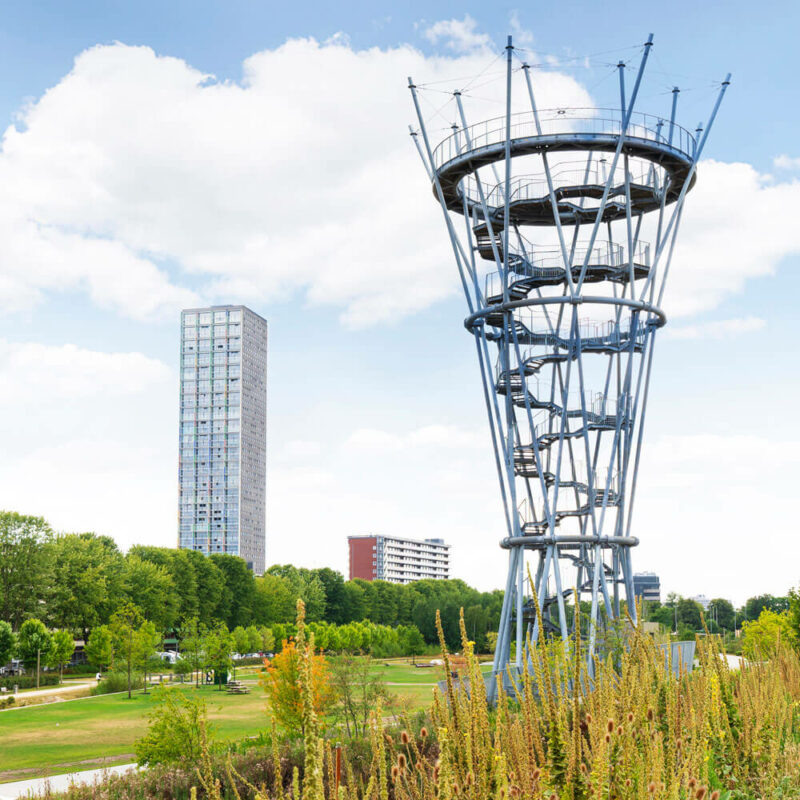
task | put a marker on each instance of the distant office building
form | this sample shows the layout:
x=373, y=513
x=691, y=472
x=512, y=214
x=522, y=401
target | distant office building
x=647, y=585
x=702, y=600
x=387, y=558
x=223, y=432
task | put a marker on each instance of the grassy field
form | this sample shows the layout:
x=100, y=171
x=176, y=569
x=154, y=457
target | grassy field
x=100, y=731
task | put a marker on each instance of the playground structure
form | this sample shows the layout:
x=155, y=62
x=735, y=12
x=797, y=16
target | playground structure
x=564, y=330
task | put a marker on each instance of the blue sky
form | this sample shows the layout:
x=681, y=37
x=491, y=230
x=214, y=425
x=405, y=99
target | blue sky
x=131, y=186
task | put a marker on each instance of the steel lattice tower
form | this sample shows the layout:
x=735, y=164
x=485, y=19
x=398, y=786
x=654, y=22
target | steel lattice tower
x=564, y=331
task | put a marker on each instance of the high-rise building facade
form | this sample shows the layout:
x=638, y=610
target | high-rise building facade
x=223, y=433
x=647, y=586
x=388, y=558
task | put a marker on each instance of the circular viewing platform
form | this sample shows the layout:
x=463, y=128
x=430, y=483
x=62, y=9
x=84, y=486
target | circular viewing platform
x=667, y=148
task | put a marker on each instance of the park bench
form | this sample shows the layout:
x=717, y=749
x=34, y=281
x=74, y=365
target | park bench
x=236, y=687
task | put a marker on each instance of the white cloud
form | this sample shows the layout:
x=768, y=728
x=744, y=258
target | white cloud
x=713, y=511
x=48, y=373
x=459, y=35
x=737, y=225
x=150, y=185
x=786, y=162
x=718, y=329
x=301, y=448
x=522, y=36
x=89, y=440
x=110, y=486
x=437, y=436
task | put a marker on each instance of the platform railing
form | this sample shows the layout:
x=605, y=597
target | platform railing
x=535, y=186
x=590, y=121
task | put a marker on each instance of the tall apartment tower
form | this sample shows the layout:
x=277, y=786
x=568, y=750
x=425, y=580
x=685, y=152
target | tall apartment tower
x=223, y=433
x=389, y=558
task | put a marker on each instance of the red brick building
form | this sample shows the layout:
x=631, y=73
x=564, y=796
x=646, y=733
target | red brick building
x=398, y=560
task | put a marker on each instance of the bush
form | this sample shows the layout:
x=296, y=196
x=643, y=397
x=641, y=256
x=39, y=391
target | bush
x=177, y=729
x=117, y=682
x=29, y=681
x=5, y=702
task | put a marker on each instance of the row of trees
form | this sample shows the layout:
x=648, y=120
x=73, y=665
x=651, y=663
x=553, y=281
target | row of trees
x=77, y=581
x=684, y=613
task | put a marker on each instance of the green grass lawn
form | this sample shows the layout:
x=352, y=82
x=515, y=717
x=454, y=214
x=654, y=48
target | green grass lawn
x=100, y=731
x=72, y=735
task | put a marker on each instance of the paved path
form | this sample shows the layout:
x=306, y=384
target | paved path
x=63, y=689
x=58, y=783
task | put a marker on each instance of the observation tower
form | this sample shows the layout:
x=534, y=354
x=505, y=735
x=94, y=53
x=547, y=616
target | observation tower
x=563, y=224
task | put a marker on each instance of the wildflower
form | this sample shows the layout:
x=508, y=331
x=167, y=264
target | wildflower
x=401, y=761
x=404, y=737
x=715, y=794
x=610, y=725
x=619, y=730
x=628, y=783
x=630, y=716
x=553, y=796
x=537, y=774
x=584, y=770
x=701, y=793
x=608, y=738
x=588, y=717
x=650, y=714
x=423, y=732
x=692, y=783
x=678, y=743
x=395, y=772
x=651, y=787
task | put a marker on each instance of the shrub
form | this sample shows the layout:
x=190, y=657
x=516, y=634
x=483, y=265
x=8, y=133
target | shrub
x=177, y=728
x=117, y=682
x=29, y=681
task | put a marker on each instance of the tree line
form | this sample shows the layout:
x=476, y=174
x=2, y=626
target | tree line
x=76, y=582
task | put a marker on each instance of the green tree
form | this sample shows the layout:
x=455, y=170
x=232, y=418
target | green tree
x=99, y=647
x=755, y=605
x=274, y=600
x=177, y=729
x=193, y=636
x=33, y=644
x=333, y=584
x=61, y=650
x=357, y=688
x=150, y=588
x=760, y=637
x=149, y=638
x=267, y=639
x=690, y=613
x=721, y=613
x=241, y=641
x=86, y=585
x=218, y=645
x=183, y=667
x=181, y=568
x=125, y=625
x=8, y=642
x=25, y=563
x=239, y=591
x=254, y=640
x=354, y=602
x=410, y=639
x=210, y=587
